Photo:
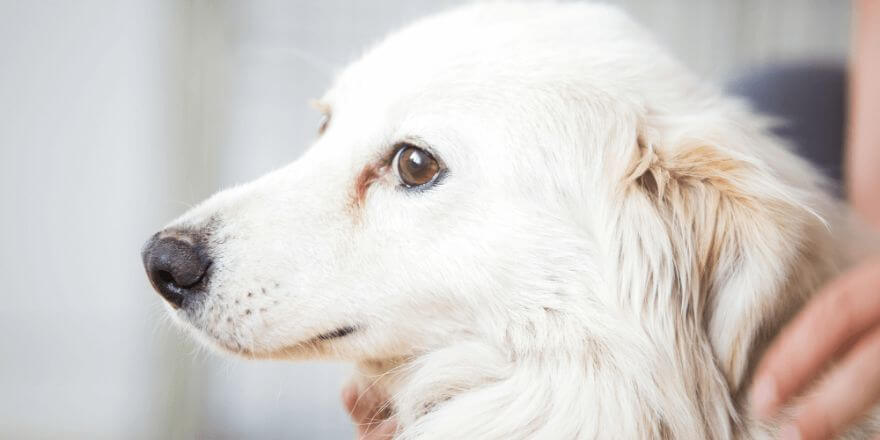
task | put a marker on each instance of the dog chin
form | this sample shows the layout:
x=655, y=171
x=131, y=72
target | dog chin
x=316, y=347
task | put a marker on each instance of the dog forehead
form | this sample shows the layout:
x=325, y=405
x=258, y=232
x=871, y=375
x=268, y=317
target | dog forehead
x=494, y=75
x=486, y=47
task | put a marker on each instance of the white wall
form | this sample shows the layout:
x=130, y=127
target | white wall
x=87, y=169
x=115, y=115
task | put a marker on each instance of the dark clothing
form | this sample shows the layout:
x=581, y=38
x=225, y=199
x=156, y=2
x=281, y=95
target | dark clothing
x=811, y=99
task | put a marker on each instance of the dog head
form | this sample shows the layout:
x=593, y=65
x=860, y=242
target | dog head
x=493, y=165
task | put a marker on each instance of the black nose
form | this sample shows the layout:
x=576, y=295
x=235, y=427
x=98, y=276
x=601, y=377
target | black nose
x=177, y=263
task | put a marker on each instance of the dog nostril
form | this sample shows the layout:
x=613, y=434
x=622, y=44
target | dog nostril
x=177, y=264
x=166, y=277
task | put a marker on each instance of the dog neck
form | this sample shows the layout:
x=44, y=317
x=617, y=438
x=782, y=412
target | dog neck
x=567, y=372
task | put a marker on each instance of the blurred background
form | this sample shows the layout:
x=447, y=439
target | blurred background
x=117, y=115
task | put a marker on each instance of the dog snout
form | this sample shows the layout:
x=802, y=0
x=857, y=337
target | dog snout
x=177, y=263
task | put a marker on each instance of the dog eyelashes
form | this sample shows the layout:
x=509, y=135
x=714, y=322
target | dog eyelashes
x=416, y=167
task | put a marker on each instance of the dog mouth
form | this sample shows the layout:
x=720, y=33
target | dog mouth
x=340, y=332
x=315, y=343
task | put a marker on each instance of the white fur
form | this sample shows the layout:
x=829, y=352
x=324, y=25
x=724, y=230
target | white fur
x=613, y=246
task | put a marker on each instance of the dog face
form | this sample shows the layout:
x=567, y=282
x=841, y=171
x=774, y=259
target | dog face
x=499, y=164
x=440, y=196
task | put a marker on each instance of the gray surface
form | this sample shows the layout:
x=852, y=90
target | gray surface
x=116, y=115
x=811, y=98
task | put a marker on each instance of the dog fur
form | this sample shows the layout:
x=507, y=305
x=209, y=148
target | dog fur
x=613, y=245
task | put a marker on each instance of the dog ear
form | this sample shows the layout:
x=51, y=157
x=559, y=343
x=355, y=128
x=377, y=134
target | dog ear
x=719, y=239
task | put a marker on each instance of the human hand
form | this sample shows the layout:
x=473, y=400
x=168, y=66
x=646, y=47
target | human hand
x=841, y=324
x=370, y=411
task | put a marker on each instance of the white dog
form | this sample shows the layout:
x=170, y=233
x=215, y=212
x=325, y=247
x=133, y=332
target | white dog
x=521, y=221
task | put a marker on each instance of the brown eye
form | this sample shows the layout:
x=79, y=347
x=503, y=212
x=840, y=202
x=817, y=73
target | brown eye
x=416, y=166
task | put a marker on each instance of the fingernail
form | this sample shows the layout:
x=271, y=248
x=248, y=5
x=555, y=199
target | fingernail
x=790, y=432
x=764, y=396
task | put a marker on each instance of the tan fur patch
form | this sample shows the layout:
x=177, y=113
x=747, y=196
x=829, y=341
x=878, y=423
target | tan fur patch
x=698, y=164
x=370, y=174
x=366, y=178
